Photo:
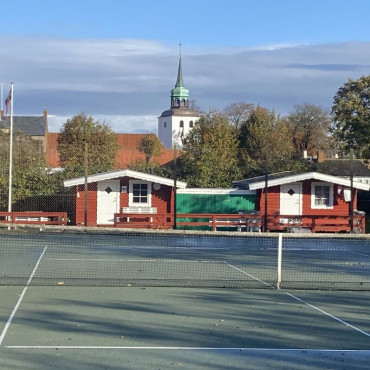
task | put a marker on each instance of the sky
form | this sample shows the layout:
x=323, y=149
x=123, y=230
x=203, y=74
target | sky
x=117, y=60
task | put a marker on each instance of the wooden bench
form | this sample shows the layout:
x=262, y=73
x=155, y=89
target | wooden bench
x=144, y=210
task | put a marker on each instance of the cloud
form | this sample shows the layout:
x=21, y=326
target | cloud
x=120, y=124
x=330, y=67
x=128, y=82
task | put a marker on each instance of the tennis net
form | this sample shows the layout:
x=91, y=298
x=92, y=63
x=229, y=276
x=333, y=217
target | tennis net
x=105, y=257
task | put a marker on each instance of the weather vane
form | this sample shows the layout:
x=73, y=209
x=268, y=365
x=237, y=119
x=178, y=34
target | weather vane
x=180, y=48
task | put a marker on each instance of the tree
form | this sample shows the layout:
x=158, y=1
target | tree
x=153, y=168
x=29, y=175
x=238, y=113
x=310, y=128
x=265, y=142
x=151, y=146
x=101, y=141
x=351, y=116
x=209, y=153
x=193, y=105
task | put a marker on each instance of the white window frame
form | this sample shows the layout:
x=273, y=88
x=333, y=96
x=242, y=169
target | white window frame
x=313, y=197
x=131, y=194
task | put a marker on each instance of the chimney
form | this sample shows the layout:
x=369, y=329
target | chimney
x=45, y=113
x=320, y=156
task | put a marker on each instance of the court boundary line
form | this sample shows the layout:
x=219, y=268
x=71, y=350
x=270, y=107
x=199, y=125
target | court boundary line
x=251, y=276
x=328, y=314
x=15, y=309
x=135, y=260
x=194, y=348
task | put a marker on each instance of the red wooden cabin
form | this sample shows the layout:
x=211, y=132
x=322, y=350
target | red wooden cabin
x=314, y=201
x=120, y=192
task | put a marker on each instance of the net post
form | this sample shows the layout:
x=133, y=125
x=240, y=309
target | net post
x=280, y=258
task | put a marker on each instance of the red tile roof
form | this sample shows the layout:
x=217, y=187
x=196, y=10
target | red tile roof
x=127, y=153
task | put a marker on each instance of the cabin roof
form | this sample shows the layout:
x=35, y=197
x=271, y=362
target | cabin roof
x=281, y=178
x=122, y=173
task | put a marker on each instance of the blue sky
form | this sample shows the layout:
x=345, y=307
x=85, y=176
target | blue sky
x=117, y=60
x=200, y=22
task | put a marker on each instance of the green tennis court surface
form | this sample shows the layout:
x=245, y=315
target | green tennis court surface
x=167, y=301
x=188, y=328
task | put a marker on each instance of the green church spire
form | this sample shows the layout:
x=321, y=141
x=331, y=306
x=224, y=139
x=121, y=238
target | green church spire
x=179, y=82
x=180, y=94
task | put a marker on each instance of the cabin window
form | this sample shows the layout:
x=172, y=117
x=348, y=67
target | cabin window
x=321, y=195
x=139, y=194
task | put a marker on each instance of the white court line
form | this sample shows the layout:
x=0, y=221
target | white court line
x=15, y=309
x=362, y=254
x=137, y=260
x=330, y=315
x=304, y=302
x=362, y=351
x=251, y=276
x=134, y=260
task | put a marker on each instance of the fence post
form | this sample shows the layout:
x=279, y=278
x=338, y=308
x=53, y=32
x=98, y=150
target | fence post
x=280, y=258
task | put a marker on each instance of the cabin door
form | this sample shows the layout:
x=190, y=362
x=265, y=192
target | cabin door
x=291, y=199
x=108, y=201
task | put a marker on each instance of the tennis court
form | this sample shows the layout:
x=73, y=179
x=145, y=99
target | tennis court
x=122, y=300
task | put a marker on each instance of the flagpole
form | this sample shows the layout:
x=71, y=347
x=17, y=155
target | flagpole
x=11, y=151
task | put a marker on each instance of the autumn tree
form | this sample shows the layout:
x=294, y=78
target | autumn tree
x=310, y=128
x=151, y=146
x=193, y=105
x=238, y=112
x=82, y=133
x=154, y=168
x=29, y=168
x=265, y=143
x=351, y=116
x=209, y=153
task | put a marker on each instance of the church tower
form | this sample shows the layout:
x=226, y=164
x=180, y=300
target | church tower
x=175, y=123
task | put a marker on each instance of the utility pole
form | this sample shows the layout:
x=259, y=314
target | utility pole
x=351, y=190
x=174, y=187
x=86, y=170
x=265, y=219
